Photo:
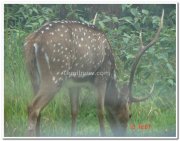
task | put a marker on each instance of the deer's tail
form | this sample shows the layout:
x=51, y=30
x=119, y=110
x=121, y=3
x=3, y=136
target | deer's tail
x=31, y=62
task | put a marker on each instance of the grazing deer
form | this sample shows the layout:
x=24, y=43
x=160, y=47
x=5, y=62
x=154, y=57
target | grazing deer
x=58, y=49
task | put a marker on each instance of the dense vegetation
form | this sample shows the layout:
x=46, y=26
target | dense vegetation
x=122, y=25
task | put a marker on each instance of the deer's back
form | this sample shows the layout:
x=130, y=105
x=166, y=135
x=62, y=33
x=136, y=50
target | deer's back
x=66, y=48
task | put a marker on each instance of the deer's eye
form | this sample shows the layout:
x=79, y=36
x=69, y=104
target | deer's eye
x=130, y=115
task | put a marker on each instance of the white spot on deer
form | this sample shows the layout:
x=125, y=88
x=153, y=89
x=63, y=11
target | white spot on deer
x=47, y=59
x=52, y=33
x=25, y=43
x=50, y=24
x=66, y=30
x=56, y=81
x=55, y=21
x=94, y=48
x=54, y=59
x=42, y=31
x=36, y=54
x=58, y=29
x=82, y=39
x=51, y=41
x=66, y=48
x=103, y=40
x=76, y=64
x=59, y=44
x=79, y=45
x=63, y=61
x=53, y=78
x=61, y=35
x=54, y=50
x=69, y=40
x=42, y=49
x=47, y=28
x=115, y=77
x=62, y=26
x=54, y=45
x=89, y=37
x=89, y=47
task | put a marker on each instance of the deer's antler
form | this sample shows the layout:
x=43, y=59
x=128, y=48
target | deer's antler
x=138, y=57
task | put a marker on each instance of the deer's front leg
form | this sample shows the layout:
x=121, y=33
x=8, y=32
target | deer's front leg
x=74, y=100
x=101, y=88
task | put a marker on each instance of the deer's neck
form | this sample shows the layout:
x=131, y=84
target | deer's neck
x=112, y=91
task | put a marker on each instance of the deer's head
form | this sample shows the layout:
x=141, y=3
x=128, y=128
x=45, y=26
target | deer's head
x=118, y=101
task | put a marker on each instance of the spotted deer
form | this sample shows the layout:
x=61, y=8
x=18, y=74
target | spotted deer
x=58, y=49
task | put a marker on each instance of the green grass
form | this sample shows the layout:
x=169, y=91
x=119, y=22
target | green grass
x=159, y=111
x=56, y=120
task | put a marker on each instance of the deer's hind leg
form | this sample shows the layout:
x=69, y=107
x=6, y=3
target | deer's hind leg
x=41, y=99
x=35, y=79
